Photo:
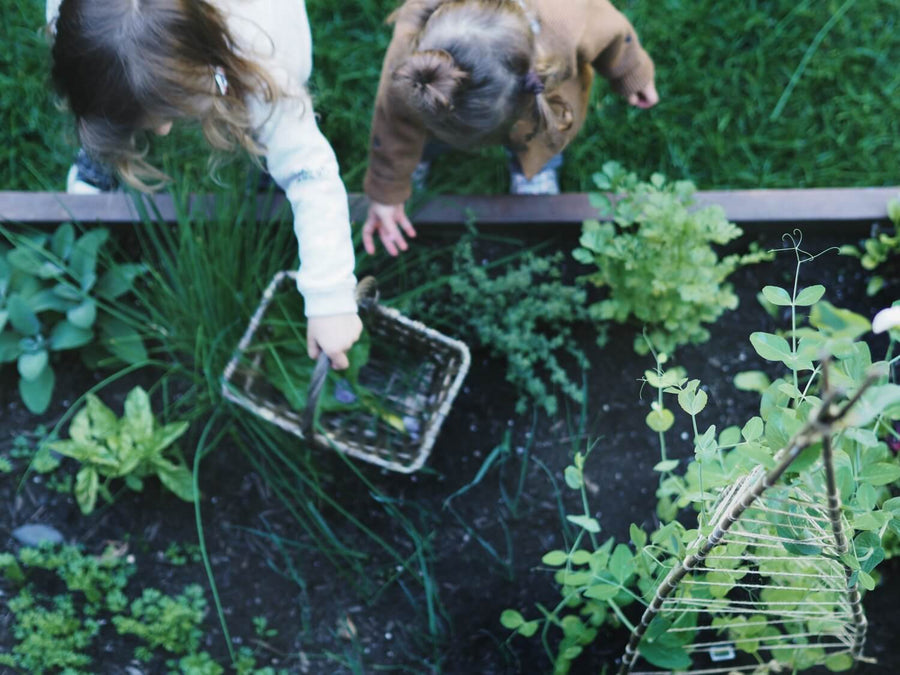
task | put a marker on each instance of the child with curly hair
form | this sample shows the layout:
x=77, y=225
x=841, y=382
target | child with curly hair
x=239, y=68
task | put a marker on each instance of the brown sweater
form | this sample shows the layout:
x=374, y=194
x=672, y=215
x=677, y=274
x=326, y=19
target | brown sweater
x=588, y=35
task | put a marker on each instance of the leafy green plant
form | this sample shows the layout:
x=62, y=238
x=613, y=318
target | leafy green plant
x=523, y=313
x=54, y=298
x=879, y=248
x=656, y=260
x=165, y=622
x=132, y=448
x=57, y=633
x=597, y=581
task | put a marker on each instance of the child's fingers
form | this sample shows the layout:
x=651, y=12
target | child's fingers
x=368, y=240
x=406, y=225
x=387, y=240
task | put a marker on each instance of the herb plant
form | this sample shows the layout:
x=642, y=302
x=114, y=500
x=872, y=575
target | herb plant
x=57, y=633
x=53, y=298
x=656, y=260
x=132, y=448
x=523, y=313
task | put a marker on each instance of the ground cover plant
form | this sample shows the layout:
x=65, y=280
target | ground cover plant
x=804, y=94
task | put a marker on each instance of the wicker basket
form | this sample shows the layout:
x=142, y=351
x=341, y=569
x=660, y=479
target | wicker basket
x=411, y=378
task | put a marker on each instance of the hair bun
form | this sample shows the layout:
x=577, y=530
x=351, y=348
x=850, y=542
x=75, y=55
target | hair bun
x=429, y=80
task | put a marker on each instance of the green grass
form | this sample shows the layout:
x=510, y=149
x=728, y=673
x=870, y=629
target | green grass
x=763, y=93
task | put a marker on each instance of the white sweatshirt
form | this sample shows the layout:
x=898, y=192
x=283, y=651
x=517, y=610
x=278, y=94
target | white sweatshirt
x=276, y=35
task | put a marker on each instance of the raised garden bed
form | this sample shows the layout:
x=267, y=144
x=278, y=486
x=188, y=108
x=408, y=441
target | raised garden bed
x=489, y=503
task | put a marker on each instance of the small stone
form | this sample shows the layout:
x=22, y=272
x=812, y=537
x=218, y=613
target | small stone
x=35, y=535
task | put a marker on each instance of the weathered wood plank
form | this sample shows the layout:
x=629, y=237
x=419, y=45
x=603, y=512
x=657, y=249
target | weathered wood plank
x=823, y=205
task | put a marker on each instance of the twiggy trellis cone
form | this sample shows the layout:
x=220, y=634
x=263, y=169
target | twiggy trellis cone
x=819, y=427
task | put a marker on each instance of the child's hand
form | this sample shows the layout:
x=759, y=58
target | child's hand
x=333, y=335
x=386, y=219
x=644, y=98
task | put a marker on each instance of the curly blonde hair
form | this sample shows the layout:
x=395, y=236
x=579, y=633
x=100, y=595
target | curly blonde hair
x=125, y=66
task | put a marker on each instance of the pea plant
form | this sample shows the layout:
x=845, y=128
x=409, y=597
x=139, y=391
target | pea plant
x=598, y=582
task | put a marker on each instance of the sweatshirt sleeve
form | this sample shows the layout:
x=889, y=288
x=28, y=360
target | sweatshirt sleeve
x=397, y=137
x=610, y=43
x=303, y=163
x=298, y=156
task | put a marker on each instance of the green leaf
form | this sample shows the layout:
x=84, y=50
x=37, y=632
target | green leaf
x=809, y=296
x=838, y=323
x=511, y=619
x=574, y=477
x=163, y=437
x=873, y=403
x=102, y=422
x=83, y=315
x=586, y=522
x=692, y=402
x=528, y=628
x=67, y=336
x=36, y=394
x=770, y=347
x=777, y=296
x=10, y=347
x=118, y=280
x=31, y=365
x=621, y=563
x=666, y=465
x=665, y=654
x=122, y=340
x=753, y=429
x=601, y=590
x=179, y=480
x=83, y=261
x=22, y=318
x=839, y=662
x=638, y=536
x=138, y=416
x=555, y=558
x=880, y=473
x=87, y=483
x=660, y=420
x=752, y=380
x=61, y=243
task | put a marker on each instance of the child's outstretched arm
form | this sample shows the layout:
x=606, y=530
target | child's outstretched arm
x=610, y=43
x=302, y=162
x=395, y=147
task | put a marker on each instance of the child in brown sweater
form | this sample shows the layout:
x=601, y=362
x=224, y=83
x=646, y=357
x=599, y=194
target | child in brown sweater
x=471, y=73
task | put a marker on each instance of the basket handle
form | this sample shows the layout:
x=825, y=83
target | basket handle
x=366, y=298
x=316, y=384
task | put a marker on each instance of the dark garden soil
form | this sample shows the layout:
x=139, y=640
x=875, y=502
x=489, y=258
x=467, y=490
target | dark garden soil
x=483, y=547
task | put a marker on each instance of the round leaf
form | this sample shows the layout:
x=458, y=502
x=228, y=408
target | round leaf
x=67, y=336
x=777, y=296
x=555, y=558
x=810, y=296
x=511, y=619
x=660, y=420
x=32, y=365
x=22, y=318
x=36, y=394
x=83, y=315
